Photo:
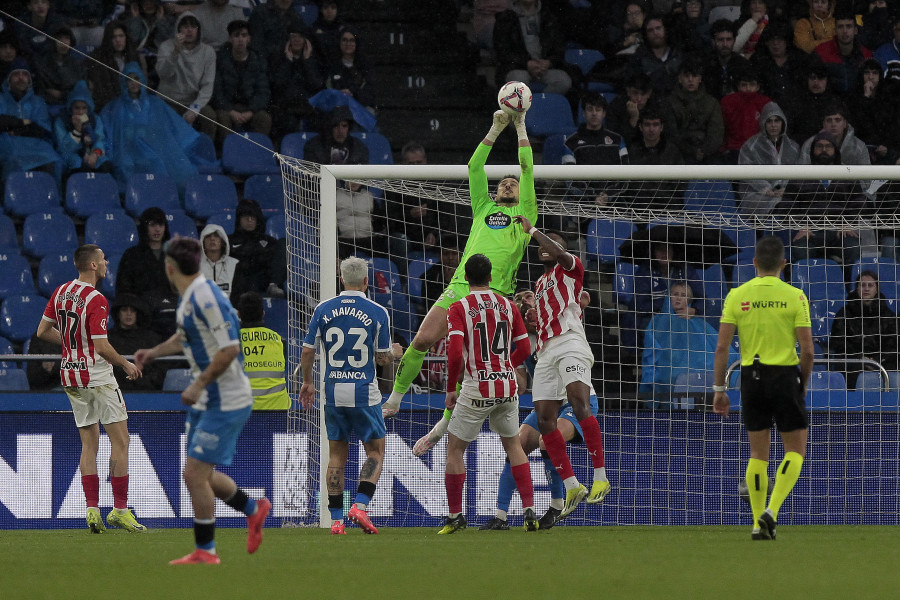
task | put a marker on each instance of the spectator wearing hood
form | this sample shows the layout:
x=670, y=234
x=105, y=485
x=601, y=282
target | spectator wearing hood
x=58, y=71
x=241, y=93
x=824, y=198
x=877, y=23
x=269, y=24
x=25, y=126
x=335, y=146
x=80, y=134
x=264, y=355
x=816, y=29
x=295, y=75
x=146, y=135
x=216, y=264
x=771, y=146
x=187, y=74
x=327, y=29
x=261, y=258
x=130, y=332
x=853, y=150
x=351, y=73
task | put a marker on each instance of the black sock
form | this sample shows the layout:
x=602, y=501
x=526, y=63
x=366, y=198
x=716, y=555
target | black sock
x=238, y=500
x=205, y=534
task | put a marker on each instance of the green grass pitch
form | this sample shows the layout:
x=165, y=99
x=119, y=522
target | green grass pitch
x=567, y=562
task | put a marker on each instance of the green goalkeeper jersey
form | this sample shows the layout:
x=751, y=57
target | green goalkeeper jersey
x=494, y=233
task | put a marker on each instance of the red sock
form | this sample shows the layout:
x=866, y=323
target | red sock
x=556, y=448
x=454, y=484
x=91, y=486
x=522, y=475
x=120, y=491
x=593, y=439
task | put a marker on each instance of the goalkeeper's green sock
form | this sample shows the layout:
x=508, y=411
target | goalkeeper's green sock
x=410, y=366
x=785, y=478
x=757, y=477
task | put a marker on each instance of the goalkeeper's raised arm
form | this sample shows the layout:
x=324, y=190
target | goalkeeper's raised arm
x=494, y=234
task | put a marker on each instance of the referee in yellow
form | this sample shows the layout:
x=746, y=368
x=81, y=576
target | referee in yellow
x=770, y=316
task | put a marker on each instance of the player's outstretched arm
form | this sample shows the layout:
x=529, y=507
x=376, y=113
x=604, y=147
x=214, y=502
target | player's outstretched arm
x=519, y=123
x=556, y=252
x=501, y=120
x=169, y=347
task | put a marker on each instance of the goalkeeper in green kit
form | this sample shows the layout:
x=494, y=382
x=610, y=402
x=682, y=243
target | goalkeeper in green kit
x=494, y=234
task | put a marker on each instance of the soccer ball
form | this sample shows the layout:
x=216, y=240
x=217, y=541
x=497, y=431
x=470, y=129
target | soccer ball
x=514, y=98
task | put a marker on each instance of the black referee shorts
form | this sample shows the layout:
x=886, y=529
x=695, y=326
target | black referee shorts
x=770, y=392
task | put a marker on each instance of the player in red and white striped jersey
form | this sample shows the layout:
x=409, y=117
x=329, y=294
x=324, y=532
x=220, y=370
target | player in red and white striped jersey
x=563, y=368
x=484, y=327
x=76, y=318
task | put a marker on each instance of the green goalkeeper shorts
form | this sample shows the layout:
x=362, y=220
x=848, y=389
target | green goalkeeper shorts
x=453, y=292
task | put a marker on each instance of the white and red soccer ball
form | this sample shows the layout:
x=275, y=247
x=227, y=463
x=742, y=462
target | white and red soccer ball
x=514, y=98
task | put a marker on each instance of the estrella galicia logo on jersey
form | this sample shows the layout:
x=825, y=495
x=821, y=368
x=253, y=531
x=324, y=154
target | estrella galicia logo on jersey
x=497, y=220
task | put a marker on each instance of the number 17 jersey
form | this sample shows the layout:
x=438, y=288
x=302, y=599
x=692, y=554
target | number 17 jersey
x=350, y=329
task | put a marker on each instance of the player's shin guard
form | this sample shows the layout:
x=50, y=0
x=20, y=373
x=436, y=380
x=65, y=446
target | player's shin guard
x=120, y=491
x=364, y=492
x=91, y=486
x=205, y=533
x=505, y=488
x=757, y=486
x=410, y=366
x=556, y=448
x=454, y=483
x=522, y=475
x=336, y=506
x=785, y=478
x=242, y=503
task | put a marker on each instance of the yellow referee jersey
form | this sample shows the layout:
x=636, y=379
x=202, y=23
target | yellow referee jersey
x=766, y=311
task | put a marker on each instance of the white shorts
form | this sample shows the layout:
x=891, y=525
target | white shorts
x=469, y=415
x=103, y=404
x=561, y=361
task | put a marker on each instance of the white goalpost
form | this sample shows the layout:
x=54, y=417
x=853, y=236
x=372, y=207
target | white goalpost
x=670, y=460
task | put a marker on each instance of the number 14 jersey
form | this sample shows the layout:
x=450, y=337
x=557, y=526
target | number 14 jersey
x=350, y=329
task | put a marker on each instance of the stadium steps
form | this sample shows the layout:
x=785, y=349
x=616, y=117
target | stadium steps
x=435, y=87
x=403, y=44
x=427, y=13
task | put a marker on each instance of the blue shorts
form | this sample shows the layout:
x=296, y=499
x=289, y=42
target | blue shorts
x=212, y=434
x=565, y=412
x=365, y=421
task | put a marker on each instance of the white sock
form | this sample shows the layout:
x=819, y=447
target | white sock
x=557, y=503
x=600, y=474
x=453, y=515
x=501, y=514
x=570, y=482
x=361, y=506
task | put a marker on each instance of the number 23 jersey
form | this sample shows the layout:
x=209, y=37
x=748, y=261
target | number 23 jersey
x=350, y=329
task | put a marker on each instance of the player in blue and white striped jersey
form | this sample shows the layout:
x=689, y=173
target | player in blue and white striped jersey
x=219, y=397
x=353, y=333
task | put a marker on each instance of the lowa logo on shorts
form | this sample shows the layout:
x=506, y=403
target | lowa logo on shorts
x=498, y=220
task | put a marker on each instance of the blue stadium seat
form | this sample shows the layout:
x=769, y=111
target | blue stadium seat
x=30, y=192
x=20, y=315
x=604, y=238
x=379, y=147
x=144, y=190
x=623, y=283
x=819, y=278
x=417, y=263
x=549, y=114
x=276, y=317
x=745, y=240
x=872, y=381
x=6, y=347
x=248, y=153
x=742, y=273
x=88, y=193
x=821, y=313
x=15, y=276
x=223, y=219
x=294, y=144
x=177, y=380
x=888, y=274
x=714, y=282
x=9, y=243
x=114, y=232
x=694, y=382
x=108, y=283
x=710, y=195
x=53, y=271
x=308, y=11
x=275, y=226
x=268, y=191
x=383, y=276
x=181, y=224
x=206, y=149
x=827, y=380
x=404, y=321
x=206, y=195
x=555, y=149
x=583, y=58
x=13, y=380
x=48, y=233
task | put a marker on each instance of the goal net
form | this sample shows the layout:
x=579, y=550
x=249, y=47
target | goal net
x=661, y=246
